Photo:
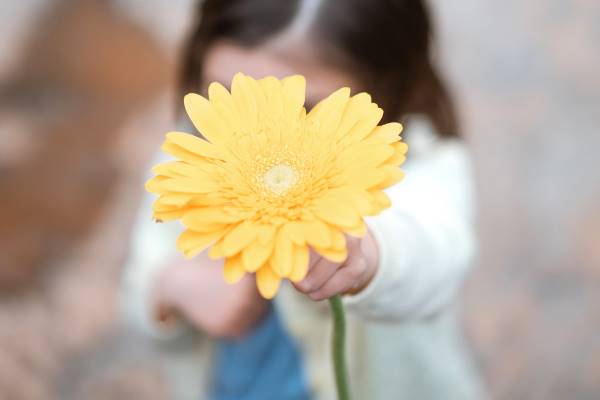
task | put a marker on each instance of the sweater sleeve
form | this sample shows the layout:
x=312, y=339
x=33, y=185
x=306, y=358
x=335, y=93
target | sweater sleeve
x=426, y=240
x=152, y=248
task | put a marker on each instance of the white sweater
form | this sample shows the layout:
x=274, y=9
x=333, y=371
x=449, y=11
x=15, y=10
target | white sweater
x=404, y=340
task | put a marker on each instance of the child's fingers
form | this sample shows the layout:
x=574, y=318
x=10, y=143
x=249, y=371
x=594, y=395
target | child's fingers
x=317, y=275
x=343, y=280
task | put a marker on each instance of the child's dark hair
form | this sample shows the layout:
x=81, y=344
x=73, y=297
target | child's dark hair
x=386, y=42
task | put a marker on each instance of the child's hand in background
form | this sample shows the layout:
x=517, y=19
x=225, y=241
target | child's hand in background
x=196, y=291
x=326, y=278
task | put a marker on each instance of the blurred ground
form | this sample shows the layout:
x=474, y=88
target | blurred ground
x=82, y=90
x=84, y=100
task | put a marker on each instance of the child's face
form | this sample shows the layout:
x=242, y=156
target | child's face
x=223, y=60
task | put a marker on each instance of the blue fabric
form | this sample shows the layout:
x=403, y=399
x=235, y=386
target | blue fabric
x=264, y=365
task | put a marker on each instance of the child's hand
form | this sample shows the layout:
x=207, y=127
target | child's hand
x=326, y=278
x=195, y=290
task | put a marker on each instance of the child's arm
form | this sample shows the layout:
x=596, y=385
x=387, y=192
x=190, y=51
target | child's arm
x=164, y=293
x=425, y=241
x=152, y=247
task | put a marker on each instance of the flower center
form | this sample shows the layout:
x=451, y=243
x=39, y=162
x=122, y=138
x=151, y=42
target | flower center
x=280, y=178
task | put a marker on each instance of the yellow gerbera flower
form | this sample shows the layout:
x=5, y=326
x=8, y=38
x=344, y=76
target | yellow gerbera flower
x=268, y=180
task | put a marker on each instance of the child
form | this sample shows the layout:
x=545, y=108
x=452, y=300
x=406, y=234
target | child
x=398, y=281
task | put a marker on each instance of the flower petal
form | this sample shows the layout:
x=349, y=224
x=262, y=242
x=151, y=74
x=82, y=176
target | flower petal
x=271, y=88
x=353, y=111
x=388, y=133
x=365, y=125
x=316, y=233
x=178, y=169
x=365, y=178
x=223, y=104
x=381, y=198
x=399, y=156
x=361, y=200
x=326, y=115
x=358, y=231
x=360, y=119
x=281, y=261
x=300, y=259
x=159, y=205
x=293, y=89
x=295, y=230
x=337, y=256
x=266, y=234
x=393, y=175
x=256, y=254
x=267, y=281
x=216, y=252
x=191, y=243
x=206, y=119
x=244, y=94
x=239, y=237
x=188, y=185
x=208, y=227
x=339, y=240
x=198, y=218
x=175, y=199
x=233, y=270
x=177, y=143
x=360, y=156
x=336, y=213
x=164, y=216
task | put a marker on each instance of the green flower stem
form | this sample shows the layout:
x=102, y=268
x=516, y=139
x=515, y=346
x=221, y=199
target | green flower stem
x=338, y=347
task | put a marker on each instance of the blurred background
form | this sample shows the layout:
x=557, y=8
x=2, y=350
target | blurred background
x=86, y=94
